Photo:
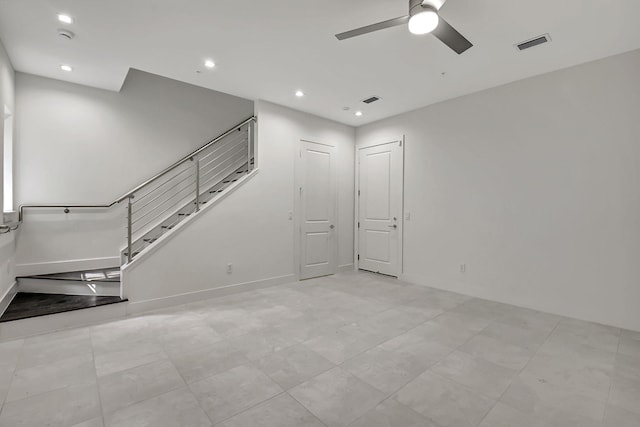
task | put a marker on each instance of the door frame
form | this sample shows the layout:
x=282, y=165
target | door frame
x=297, y=207
x=356, y=235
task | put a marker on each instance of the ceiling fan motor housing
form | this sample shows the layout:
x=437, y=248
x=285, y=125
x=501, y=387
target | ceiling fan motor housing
x=417, y=6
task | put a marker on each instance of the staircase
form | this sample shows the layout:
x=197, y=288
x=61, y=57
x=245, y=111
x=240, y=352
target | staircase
x=154, y=209
x=151, y=236
x=102, y=282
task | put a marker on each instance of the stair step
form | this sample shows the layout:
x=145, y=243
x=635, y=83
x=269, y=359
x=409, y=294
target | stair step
x=103, y=282
x=95, y=275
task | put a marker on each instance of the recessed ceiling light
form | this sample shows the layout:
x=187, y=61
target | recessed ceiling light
x=66, y=19
x=358, y=113
x=66, y=68
x=209, y=63
x=299, y=94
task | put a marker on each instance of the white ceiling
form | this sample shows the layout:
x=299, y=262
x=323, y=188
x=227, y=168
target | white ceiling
x=267, y=50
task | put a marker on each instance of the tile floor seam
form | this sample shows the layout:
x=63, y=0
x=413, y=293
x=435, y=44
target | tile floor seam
x=131, y=403
x=333, y=365
x=179, y=373
x=612, y=377
x=391, y=396
x=100, y=407
x=199, y=405
x=138, y=401
x=307, y=409
x=466, y=387
x=13, y=373
x=378, y=343
x=499, y=400
x=64, y=387
x=428, y=368
x=246, y=409
x=136, y=367
x=399, y=388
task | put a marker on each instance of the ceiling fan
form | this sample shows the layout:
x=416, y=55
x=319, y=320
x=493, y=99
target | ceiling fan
x=423, y=18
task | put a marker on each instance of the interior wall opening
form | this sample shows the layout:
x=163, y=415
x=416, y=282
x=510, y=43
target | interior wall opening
x=8, y=160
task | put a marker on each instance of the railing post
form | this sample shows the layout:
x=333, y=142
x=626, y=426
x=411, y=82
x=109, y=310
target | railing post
x=197, y=185
x=249, y=135
x=129, y=231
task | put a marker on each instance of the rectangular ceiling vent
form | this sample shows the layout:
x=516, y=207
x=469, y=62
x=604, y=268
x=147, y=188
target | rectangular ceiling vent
x=536, y=41
x=371, y=99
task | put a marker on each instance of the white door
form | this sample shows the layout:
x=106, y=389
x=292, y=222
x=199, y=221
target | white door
x=317, y=207
x=380, y=208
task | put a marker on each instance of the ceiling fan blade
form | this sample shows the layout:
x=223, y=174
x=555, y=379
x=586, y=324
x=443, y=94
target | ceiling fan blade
x=373, y=27
x=451, y=37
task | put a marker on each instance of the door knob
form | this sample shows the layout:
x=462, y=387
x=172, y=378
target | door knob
x=393, y=226
x=332, y=226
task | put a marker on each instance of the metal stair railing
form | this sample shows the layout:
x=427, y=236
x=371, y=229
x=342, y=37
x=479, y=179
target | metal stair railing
x=170, y=196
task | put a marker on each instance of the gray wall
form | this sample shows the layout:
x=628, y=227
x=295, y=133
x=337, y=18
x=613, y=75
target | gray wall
x=532, y=185
x=77, y=144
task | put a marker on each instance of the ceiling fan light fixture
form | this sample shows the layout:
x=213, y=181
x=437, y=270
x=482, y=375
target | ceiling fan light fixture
x=424, y=21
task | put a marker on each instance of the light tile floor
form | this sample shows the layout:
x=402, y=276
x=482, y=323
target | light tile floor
x=353, y=349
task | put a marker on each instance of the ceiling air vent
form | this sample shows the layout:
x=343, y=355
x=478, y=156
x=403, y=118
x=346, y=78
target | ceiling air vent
x=536, y=41
x=371, y=99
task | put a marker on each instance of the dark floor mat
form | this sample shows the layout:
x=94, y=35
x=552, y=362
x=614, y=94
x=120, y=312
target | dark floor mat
x=26, y=305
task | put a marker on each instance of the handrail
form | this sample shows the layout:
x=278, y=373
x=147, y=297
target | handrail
x=144, y=184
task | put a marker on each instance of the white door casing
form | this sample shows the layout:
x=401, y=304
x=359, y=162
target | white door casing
x=317, y=207
x=380, y=207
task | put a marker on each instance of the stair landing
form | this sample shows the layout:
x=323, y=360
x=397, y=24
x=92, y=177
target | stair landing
x=25, y=305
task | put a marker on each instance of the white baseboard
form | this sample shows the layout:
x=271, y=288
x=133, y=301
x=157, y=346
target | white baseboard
x=345, y=268
x=6, y=299
x=545, y=308
x=53, y=267
x=159, y=303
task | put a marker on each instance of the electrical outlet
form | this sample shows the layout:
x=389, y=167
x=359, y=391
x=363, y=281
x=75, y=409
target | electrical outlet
x=463, y=268
x=229, y=268
x=290, y=215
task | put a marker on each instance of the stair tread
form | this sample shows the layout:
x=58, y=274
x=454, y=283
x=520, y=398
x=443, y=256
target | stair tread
x=101, y=275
